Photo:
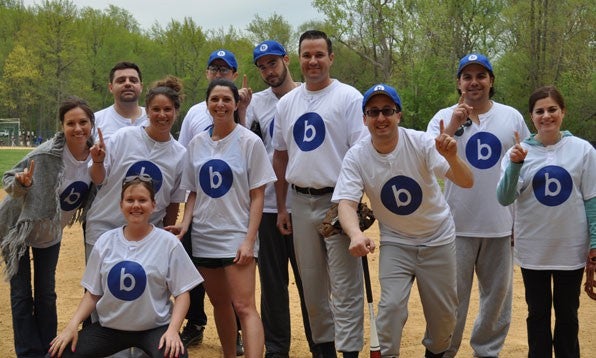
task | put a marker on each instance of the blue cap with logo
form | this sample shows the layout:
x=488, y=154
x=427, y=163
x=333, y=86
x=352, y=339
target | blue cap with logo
x=381, y=88
x=474, y=58
x=268, y=47
x=225, y=55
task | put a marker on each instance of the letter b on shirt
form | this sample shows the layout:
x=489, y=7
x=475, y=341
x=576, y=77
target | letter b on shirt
x=216, y=178
x=552, y=185
x=401, y=195
x=483, y=150
x=127, y=280
x=309, y=131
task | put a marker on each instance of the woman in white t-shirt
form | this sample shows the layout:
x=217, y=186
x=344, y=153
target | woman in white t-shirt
x=131, y=274
x=552, y=177
x=226, y=171
x=46, y=192
x=136, y=150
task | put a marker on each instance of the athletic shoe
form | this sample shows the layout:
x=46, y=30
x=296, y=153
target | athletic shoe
x=192, y=334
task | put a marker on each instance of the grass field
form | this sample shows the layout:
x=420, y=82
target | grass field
x=9, y=157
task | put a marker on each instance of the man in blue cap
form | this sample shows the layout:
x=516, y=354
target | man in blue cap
x=484, y=130
x=221, y=64
x=397, y=168
x=275, y=249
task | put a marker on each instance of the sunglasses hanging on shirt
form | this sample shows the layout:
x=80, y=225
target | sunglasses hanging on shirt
x=461, y=128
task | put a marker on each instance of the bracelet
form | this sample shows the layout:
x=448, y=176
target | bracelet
x=98, y=162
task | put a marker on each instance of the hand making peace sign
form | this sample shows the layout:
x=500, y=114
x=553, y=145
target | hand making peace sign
x=98, y=151
x=25, y=178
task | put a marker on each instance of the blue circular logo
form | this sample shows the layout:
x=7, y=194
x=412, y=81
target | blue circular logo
x=127, y=280
x=146, y=167
x=401, y=195
x=216, y=178
x=483, y=150
x=309, y=131
x=552, y=185
x=73, y=195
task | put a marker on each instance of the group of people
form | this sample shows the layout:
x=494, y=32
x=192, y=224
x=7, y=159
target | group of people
x=258, y=173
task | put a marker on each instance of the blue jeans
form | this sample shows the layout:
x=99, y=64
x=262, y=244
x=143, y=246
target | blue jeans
x=34, y=319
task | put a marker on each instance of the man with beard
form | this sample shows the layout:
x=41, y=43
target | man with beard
x=275, y=249
x=126, y=85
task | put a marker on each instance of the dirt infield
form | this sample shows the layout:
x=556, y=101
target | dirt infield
x=71, y=266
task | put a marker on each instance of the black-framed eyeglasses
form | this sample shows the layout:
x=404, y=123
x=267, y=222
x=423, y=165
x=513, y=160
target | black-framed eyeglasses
x=461, y=128
x=140, y=177
x=374, y=113
x=221, y=69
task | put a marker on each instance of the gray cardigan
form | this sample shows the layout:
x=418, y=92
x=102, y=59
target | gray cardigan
x=30, y=216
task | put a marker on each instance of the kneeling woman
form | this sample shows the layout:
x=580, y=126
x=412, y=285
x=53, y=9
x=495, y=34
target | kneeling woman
x=131, y=273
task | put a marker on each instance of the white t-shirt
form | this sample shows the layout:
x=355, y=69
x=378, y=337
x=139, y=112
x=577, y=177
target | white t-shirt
x=135, y=279
x=74, y=186
x=476, y=211
x=222, y=173
x=402, y=188
x=262, y=110
x=197, y=120
x=130, y=152
x=109, y=121
x=551, y=228
x=317, y=128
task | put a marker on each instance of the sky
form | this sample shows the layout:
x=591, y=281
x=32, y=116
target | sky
x=209, y=14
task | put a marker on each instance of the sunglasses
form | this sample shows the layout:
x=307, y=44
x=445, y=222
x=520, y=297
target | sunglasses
x=146, y=178
x=461, y=128
x=374, y=113
x=221, y=69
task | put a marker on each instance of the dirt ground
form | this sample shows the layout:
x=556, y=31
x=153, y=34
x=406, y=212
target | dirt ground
x=71, y=266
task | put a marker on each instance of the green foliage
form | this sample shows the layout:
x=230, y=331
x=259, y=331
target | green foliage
x=54, y=49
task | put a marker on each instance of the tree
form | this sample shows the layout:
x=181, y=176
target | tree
x=273, y=28
x=18, y=88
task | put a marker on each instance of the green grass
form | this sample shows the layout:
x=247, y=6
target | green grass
x=10, y=157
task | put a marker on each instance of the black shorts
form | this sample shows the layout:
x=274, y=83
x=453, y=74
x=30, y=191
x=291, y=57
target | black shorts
x=210, y=262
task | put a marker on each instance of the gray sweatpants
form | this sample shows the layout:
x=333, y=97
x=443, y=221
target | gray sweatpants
x=331, y=277
x=433, y=268
x=492, y=260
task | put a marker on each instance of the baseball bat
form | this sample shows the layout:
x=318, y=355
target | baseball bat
x=375, y=348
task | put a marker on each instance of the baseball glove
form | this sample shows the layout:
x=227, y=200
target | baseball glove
x=331, y=226
x=590, y=285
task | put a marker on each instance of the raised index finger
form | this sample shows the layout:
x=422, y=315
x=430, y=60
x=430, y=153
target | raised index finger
x=441, y=127
x=31, y=167
x=516, y=135
x=100, y=137
x=461, y=98
x=244, y=81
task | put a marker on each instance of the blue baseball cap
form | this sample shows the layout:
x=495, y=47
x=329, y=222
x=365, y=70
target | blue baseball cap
x=268, y=47
x=225, y=55
x=381, y=88
x=474, y=58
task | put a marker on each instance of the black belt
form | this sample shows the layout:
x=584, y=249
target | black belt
x=313, y=191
